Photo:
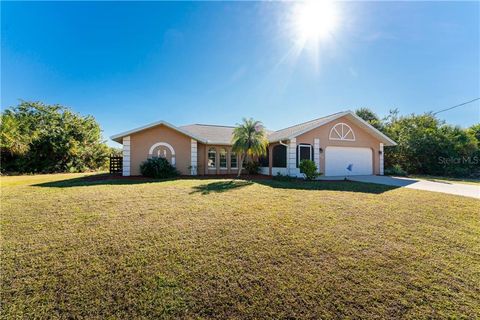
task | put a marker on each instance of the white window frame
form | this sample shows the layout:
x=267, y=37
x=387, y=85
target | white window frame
x=342, y=135
x=300, y=146
x=220, y=159
x=236, y=158
x=208, y=159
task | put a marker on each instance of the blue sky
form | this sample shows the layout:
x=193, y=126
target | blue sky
x=129, y=64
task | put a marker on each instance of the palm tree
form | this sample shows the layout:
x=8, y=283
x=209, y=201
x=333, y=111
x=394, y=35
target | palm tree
x=249, y=140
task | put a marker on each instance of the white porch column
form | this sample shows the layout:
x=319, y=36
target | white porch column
x=126, y=156
x=381, y=159
x=292, y=157
x=316, y=153
x=193, y=157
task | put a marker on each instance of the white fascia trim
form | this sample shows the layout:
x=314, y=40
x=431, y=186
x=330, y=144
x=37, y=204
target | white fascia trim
x=208, y=142
x=357, y=118
x=154, y=124
x=375, y=130
x=341, y=114
x=326, y=120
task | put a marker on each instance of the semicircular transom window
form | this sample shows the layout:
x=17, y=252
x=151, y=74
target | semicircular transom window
x=342, y=131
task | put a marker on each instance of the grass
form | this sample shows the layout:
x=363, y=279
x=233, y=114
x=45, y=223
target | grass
x=199, y=248
x=447, y=179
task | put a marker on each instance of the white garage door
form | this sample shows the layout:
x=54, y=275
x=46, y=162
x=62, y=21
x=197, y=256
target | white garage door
x=343, y=161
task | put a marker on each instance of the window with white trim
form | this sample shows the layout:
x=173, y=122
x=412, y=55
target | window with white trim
x=233, y=160
x=342, y=131
x=223, y=158
x=304, y=152
x=212, y=160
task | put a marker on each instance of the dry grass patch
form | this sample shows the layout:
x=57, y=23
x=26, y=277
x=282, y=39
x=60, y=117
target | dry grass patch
x=235, y=249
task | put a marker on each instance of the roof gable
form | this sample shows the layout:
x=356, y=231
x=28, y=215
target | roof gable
x=118, y=137
x=299, y=129
x=217, y=134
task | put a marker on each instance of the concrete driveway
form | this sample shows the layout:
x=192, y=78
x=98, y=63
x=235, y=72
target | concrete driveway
x=467, y=190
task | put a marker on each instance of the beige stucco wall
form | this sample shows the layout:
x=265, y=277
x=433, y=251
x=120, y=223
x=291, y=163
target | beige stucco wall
x=362, y=139
x=217, y=170
x=141, y=142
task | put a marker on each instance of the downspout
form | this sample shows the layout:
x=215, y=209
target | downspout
x=283, y=144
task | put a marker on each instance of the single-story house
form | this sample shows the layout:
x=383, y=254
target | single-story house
x=341, y=144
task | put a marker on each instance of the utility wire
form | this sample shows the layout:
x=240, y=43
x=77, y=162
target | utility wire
x=458, y=105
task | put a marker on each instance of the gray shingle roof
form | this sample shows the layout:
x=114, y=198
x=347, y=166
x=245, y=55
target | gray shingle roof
x=213, y=134
x=217, y=134
x=285, y=134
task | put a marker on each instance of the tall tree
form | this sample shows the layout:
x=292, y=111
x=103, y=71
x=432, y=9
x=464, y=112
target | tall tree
x=369, y=116
x=427, y=145
x=249, y=140
x=13, y=141
x=475, y=130
x=36, y=137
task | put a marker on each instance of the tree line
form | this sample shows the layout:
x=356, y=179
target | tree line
x=427, y=145
x=40, y=138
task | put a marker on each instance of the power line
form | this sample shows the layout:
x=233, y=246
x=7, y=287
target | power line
x=456, y=106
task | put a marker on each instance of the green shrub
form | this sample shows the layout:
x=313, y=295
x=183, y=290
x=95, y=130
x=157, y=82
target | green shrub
x=281, y=177
x=252, y=167
x=309, y=169
x=158, y=168
x=395, y=170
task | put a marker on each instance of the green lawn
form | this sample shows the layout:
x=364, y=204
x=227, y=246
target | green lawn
x=194, y=248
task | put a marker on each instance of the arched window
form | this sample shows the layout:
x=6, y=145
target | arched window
x=223, y=158
x=233, y=160
x=162, y=150
x=279, y=155
x=342, y=131
x=212, y=159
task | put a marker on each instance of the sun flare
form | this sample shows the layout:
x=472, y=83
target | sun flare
x=315, y=20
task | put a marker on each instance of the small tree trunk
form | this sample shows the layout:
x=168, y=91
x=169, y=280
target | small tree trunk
x=242, y=157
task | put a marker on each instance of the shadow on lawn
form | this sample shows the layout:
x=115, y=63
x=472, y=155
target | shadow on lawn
x=220, y=186
x=340, y=185
x=96, y=179
x=224, y=185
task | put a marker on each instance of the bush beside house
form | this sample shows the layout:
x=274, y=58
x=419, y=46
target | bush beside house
x=158, y=168
x=309, y=169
